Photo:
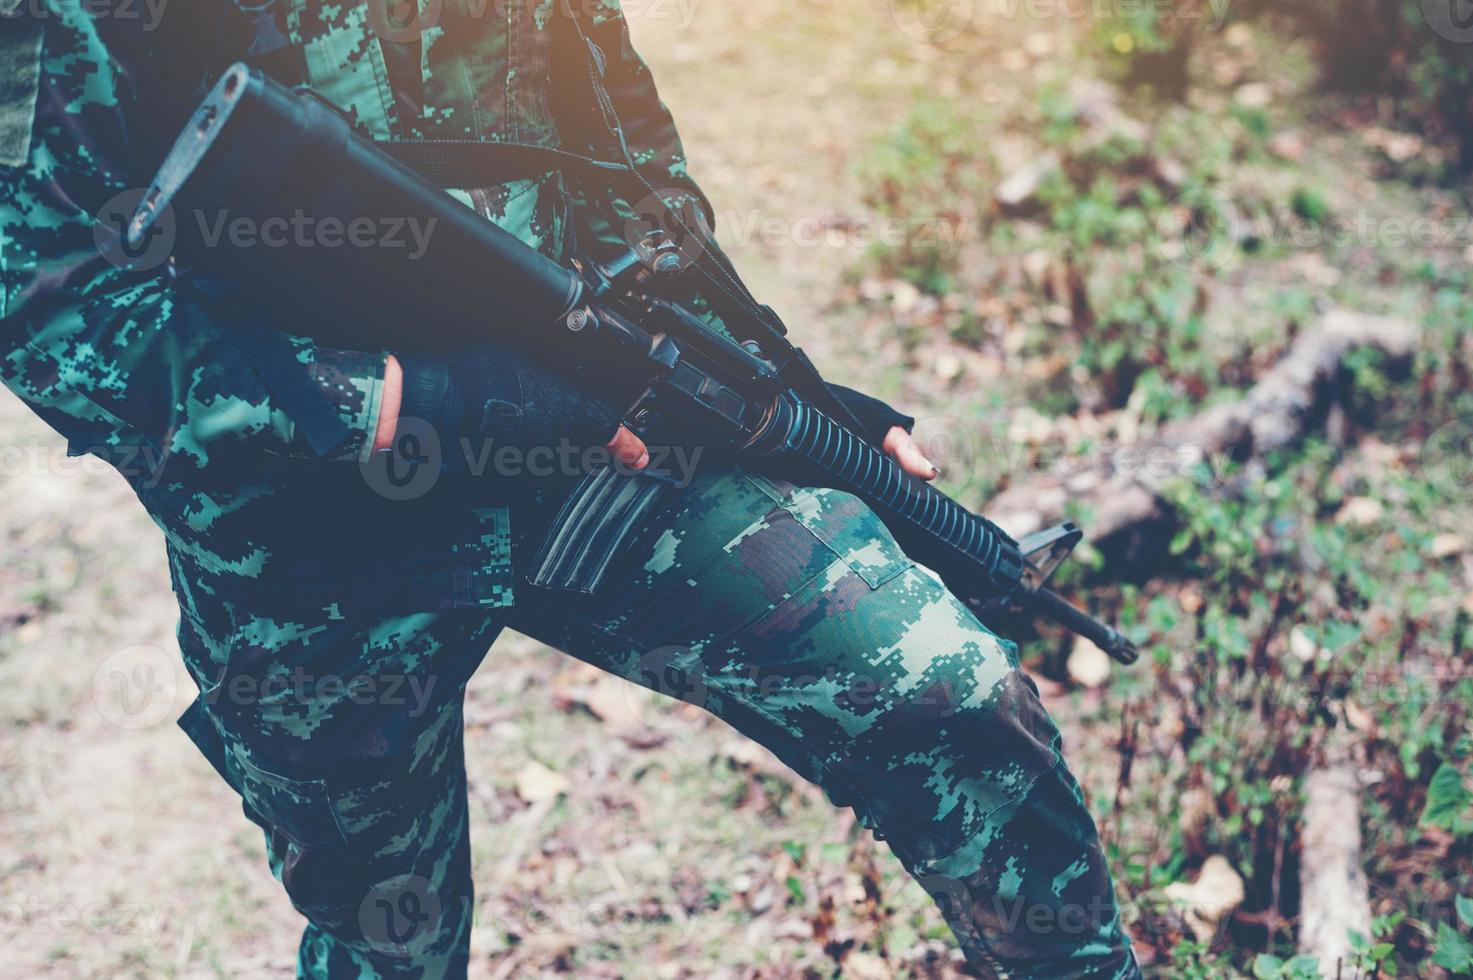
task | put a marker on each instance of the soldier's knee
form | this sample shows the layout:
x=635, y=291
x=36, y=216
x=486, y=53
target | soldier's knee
x=956, y=732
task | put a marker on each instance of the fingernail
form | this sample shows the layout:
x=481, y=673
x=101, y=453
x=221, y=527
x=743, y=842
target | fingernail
x=644, y=460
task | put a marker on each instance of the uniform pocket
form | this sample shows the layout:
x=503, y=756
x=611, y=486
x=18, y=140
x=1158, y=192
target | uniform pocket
x=299, y=809
x=845, y=524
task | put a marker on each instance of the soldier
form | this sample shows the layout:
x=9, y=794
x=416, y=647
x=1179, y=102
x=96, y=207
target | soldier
x=789, y=611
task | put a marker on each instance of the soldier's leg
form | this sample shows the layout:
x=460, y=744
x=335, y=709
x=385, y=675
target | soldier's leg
x=343, y=739
x=792, y=615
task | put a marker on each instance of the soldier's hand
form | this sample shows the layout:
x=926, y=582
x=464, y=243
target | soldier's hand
x=907, y=452
x=629, y=449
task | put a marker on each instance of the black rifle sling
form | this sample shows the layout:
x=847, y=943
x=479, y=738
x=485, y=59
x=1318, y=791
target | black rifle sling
x=465, y=164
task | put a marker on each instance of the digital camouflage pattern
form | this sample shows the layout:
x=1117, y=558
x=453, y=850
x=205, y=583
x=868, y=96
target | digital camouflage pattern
x=332, y=659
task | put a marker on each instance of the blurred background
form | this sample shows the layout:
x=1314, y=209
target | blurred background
x=1194, y=273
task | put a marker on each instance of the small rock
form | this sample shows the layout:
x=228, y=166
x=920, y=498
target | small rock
x=1088, y=665
x=1360, y=511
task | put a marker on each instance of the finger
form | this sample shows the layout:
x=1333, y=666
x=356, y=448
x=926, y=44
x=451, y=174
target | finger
x=907, y=452
x=629, y=449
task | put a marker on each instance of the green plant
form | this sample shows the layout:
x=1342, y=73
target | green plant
x=926, y=178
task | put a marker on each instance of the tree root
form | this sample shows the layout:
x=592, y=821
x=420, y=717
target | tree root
x=1274, y=414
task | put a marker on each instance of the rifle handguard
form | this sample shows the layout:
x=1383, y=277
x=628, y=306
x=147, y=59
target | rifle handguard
x=955, y=542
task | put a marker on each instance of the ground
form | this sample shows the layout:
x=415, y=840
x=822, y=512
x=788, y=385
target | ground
x=620, y=835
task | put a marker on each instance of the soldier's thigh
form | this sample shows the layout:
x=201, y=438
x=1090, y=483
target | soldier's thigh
x=792, y=614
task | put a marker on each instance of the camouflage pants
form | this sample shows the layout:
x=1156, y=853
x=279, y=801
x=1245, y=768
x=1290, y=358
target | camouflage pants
x=788, y=612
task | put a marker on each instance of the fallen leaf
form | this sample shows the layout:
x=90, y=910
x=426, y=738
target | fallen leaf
x=1360, y=719
x=1447, y=545
x=948, y=366
x=1302, y=644
x=866, y=966
x=536, y=782
x=1360, y=511
x=904, y=298
x=1216, y=892
x=744, y=752
x=1288, y=146
x=1398, y=147
x=1018, y=190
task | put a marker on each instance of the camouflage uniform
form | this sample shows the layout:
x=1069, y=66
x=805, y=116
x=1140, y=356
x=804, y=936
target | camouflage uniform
x=332, y=663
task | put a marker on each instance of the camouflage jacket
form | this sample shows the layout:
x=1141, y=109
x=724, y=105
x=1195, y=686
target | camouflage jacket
x=136, y=367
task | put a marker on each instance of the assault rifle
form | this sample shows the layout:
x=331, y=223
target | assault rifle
x=255, y=149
